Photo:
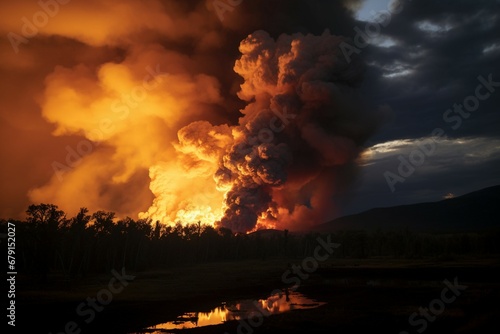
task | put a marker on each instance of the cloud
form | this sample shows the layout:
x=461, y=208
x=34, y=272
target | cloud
x=456, y=165
x=434, y=62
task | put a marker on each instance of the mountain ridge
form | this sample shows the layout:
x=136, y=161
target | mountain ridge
x=477, y=210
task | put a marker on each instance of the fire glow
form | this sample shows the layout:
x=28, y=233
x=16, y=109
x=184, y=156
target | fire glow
x=166, y=143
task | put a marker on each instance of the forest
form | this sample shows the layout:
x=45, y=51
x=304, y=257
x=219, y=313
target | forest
x=48, y=243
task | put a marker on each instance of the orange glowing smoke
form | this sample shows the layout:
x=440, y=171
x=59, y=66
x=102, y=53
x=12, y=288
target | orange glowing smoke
x=276, y=168
x=153, y=128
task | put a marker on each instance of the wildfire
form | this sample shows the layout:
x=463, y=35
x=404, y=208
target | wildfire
x=268, y=171
x=154, y=117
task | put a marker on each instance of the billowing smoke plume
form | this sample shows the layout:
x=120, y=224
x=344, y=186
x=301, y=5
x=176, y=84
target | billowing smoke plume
x=301, y=130
x=135, y=107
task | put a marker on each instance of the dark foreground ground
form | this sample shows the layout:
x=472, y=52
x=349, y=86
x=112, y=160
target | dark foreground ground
x=362, y=296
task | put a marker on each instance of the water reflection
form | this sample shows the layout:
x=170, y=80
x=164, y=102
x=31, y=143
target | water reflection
x=244, y=309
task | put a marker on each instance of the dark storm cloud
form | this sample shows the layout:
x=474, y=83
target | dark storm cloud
x=442, y=46
x=439, y=48
x=458, y=166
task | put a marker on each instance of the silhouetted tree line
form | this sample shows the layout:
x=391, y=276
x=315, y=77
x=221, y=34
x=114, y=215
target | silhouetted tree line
x=47, y=241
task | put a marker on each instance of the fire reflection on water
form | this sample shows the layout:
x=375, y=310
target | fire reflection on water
x=244, y=309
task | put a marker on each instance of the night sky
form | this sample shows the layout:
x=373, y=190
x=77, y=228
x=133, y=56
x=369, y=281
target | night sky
x=420, y=101
x=427, y=60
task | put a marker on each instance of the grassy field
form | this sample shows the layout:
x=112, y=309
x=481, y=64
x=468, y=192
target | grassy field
x=361, y=295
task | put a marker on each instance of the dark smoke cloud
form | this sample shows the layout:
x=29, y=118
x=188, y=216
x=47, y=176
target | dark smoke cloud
x=301, y=129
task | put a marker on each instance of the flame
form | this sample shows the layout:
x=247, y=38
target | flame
x=264, y=224
x=203, y=214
